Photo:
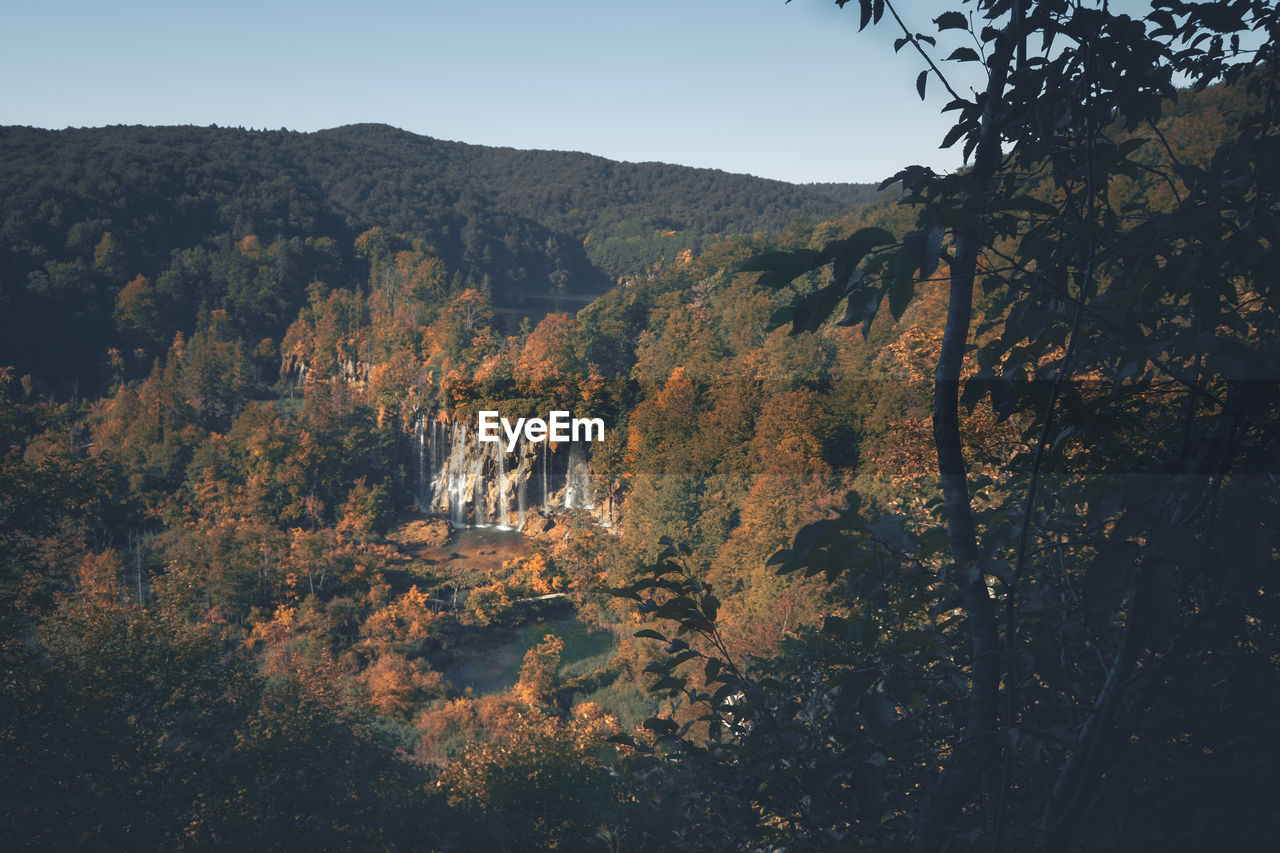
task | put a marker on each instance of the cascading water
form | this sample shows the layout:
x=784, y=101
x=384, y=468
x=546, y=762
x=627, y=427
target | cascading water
x=454, y=474
x=423, y=498
x=577, y=488
x=545, y=450
x=503, y=508
x=479, y=507
x=457, y=475
x=437, y=468
x=522, y=483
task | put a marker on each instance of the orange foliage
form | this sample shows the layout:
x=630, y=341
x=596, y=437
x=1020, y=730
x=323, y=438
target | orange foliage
x=397, y=685
x=538, y=674
x=249, y=246
x=547, y=359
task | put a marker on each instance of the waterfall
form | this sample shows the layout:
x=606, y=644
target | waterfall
x=440, y=459
x=545, y=450
x=522, y=483
x=503, y=508
x=479, y=508
x=577, y=487
x=420, y=436
x=451, y=473
x=457, y=475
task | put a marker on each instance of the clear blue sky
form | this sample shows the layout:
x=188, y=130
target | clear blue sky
x=756, y=86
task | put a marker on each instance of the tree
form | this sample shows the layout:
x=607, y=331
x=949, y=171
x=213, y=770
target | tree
x=1133, y=339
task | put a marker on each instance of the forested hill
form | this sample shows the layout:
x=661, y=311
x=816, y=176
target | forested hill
x=86, y=211
x=581, y=194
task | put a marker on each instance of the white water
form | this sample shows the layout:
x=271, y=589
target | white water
x=577, y=488
x=452, y=474
x=522, y=483
x=503, y=508
x=457, y=476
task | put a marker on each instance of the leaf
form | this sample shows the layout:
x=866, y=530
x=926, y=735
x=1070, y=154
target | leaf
x=920, y=81
x=1124, y=149
x=781, y=268
x=649, y=634
x=900, y=297
x=1026, y=203
x=684, y=657
x=814, y=309
x=964, y=54
x=951, y=21
x=659, y=725
x=855, y=247
x=730, y=689
x=953, y=135
x=711, y=670
x=933, y=251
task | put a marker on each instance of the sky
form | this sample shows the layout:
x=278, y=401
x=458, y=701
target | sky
x=787, y=91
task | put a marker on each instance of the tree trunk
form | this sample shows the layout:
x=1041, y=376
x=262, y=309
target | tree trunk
x=972, y=755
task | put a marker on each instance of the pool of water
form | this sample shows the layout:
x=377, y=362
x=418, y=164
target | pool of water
x=495, y=666
x=482, y=549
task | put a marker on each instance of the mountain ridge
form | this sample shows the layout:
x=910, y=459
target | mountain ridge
x=84, y=211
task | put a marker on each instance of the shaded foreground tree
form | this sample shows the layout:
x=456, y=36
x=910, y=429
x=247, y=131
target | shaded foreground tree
x=1093, y=632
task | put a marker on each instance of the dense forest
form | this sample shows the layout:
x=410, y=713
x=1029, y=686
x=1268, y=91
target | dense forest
x=162, y=213
x=939, y=518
